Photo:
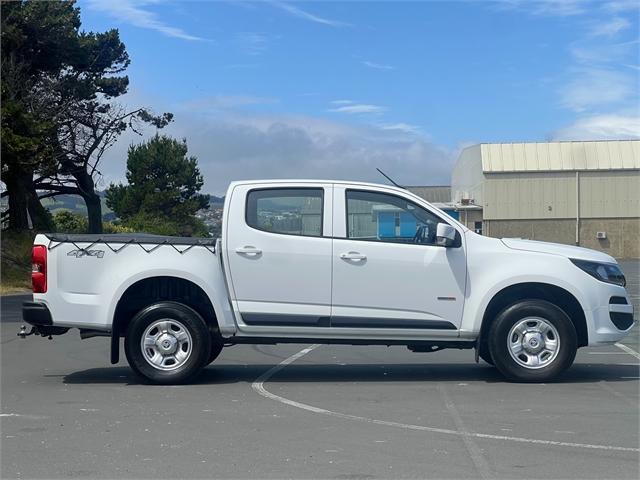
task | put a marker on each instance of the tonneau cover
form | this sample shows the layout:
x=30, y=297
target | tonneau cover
x=139, y=238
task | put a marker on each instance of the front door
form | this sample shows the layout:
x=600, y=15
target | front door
x=278, y=248
x=388, y=272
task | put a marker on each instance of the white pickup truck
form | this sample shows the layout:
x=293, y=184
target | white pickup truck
x=304, y=261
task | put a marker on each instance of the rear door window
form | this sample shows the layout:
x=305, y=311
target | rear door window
x=288, y=211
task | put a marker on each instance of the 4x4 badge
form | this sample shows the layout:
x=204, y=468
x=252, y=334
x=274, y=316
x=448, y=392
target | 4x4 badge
x=86, y=253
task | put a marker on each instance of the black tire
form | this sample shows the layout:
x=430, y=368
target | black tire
x=216, y=349
x=550, y=365
x=179, y=315
x=485, y=354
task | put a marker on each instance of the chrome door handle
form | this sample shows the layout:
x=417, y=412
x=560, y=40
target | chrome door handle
x=248, y=250
x=353, y=256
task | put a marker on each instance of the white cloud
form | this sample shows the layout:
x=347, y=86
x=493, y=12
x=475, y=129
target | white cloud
x=358, y=108
x=610, y=27
x=402, y=127
x=134, y=13
x=619, y=6
x=602, y=127
x=377, y=66
x=298, y=12
x=567, y=8
x=592, y=51
x=596, y=87
x=342, y=102
x=235, y=146
x=552, y=8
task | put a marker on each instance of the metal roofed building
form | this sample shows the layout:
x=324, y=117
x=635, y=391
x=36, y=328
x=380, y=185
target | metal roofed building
x=438, y=195
x=580, y=193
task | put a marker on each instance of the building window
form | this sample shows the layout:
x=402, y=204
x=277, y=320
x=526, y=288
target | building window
x=477, y=227
x=290, y=211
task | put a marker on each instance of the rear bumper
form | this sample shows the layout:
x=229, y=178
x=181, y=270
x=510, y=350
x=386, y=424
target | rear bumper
x=36, y=314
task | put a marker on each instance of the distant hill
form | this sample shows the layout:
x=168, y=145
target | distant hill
x=75, y=204
x=213, y=200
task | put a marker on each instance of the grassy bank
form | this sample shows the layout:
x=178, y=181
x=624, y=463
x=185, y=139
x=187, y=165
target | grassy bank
x=15, y=265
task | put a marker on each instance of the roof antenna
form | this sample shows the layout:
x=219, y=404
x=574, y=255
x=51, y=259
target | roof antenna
x=389, y=178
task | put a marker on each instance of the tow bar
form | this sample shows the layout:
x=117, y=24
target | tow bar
x=24, y=334
x=42, y=330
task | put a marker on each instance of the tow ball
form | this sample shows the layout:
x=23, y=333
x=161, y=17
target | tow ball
x=24, y=334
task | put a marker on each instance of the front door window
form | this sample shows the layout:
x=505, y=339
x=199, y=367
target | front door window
x=381, y=217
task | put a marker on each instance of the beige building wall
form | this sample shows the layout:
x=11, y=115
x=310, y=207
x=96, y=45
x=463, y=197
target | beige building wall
x=540, y=195
x=561, y=192
x=469, y=217
x=623, y=234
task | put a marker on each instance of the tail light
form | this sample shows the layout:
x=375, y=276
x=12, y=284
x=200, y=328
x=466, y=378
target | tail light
x=39, y=269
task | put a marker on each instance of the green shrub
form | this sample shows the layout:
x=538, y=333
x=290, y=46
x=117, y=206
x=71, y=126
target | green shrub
x=112, y=227
x=146, y=223
x=69, y=222
x=15, y=266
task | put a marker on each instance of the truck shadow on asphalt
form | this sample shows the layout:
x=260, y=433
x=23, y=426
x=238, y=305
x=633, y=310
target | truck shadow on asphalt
x=329, y=373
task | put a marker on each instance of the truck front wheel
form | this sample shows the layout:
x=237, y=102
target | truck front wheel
x=167, y=343
x=532, y=341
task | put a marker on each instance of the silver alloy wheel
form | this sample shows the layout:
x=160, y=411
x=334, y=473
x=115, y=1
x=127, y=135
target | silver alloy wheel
x=166, y=344
x=533, y=342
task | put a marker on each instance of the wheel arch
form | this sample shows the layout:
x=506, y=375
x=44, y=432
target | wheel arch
x=148, y=290
x=554, y=294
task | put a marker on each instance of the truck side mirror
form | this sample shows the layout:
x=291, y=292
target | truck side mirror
x=445, y=235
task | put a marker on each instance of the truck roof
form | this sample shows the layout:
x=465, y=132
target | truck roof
x=307, y=180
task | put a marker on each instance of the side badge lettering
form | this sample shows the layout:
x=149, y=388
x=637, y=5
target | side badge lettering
x=86, y=253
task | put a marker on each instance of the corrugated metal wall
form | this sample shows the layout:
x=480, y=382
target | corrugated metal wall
x=603, y=194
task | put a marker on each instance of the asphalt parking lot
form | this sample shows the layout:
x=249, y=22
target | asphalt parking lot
x=327, y=412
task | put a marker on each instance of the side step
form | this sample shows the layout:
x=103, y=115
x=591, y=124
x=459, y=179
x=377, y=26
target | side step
x=413, y=345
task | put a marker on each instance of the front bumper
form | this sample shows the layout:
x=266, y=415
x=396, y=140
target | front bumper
x=612, y=322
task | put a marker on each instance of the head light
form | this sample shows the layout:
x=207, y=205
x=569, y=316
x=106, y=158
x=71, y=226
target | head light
x=605, y=272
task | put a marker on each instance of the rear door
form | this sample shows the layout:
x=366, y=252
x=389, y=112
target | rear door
x=388, y=272
x=278, y=248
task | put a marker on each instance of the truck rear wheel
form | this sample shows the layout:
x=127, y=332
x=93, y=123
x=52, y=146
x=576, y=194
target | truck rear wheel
x=532, y=341
x=167, y=343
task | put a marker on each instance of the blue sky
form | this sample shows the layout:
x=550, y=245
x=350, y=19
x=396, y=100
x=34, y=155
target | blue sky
x=335, y=89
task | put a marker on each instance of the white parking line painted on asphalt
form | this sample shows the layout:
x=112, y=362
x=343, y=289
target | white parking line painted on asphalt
x=607, y=353
x=258, y=387
x=482, y=467
x=632, y=402
x=30, y=417
x=628, y=350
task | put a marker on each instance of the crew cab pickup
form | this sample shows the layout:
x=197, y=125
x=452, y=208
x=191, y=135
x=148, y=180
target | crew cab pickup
x=304, y=261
